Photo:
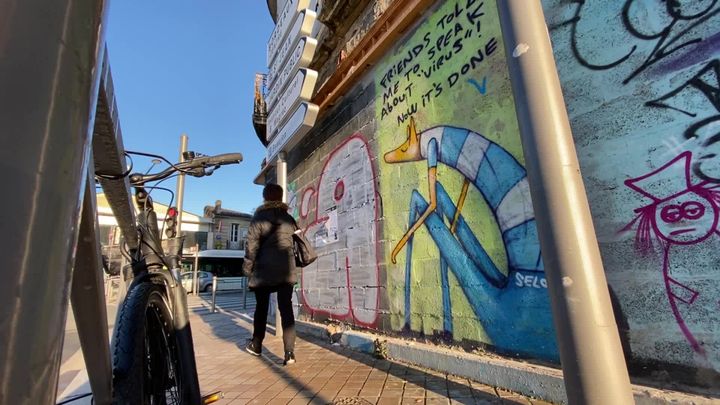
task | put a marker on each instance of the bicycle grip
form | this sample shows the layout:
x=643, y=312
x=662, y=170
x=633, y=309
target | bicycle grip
x=224, y=159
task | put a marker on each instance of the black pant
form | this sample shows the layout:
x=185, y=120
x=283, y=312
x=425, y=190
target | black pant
x=262, y=298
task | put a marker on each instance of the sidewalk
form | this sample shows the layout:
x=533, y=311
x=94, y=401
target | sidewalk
x=324, y=373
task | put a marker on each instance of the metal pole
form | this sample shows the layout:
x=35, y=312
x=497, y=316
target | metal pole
x=592, y=358
x=49, y=76
x=180, y=192
x=194, y=287
x=214, y=289
x=281, y=170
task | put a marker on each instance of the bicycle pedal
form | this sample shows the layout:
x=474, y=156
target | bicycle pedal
x=212, y=397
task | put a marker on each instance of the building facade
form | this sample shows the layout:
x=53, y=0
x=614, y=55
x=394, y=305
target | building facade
x=195, y=229
x=412, y=184
x=229, y=228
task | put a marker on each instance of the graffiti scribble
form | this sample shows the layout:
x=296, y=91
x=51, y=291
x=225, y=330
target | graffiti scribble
x=679, y=19
x=343, y=283
x=681, y=214
x=482, y=88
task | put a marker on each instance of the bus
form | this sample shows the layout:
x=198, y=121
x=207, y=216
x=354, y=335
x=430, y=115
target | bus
x=225, y=264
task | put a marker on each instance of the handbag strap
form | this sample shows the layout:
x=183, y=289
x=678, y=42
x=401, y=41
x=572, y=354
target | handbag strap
x=294, y=222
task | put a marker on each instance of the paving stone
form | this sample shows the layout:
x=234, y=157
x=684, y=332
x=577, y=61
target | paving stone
x=414, y=393
x=248, y=394
x=463, y=401
x=388, y=401
x=515, y=400
x=435, y=394
x=349, y=392
x=370, y=392
x=391, y=393
x=329, y=394
x=460, y=393
x=258, y=401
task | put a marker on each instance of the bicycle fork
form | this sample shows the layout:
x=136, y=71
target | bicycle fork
x=153, y=267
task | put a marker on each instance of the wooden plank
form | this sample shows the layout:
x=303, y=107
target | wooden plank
x=382, y=36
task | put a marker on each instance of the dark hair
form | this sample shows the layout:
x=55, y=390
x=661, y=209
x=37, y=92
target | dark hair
x=272, y=192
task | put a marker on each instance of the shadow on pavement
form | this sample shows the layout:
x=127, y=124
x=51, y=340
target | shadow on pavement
x=375, y=378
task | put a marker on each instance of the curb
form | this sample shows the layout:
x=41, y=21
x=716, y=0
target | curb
x=527, y=379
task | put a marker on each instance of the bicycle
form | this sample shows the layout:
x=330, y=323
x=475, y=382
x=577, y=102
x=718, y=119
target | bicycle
x=153, y=357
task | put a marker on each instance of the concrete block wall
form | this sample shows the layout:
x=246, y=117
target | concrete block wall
x=641, y=83
x=435, y=120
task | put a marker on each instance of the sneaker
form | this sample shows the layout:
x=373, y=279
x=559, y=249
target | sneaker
x=289, y=358
x=253, y=348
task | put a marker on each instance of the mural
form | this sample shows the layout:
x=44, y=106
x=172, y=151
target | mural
x=452, y=162
x=498, y=299
x=641, y=80
x=343, y=282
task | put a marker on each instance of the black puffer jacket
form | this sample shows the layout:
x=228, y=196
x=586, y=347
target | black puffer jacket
x=269, y=258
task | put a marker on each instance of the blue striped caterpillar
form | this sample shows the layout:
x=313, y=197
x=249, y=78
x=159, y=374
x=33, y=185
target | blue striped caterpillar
x=513, y=306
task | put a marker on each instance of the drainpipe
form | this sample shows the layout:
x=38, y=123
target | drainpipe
x=592, y=358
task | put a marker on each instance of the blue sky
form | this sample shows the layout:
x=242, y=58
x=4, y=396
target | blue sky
x=188, y=66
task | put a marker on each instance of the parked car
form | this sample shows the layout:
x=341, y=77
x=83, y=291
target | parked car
x=204, y=281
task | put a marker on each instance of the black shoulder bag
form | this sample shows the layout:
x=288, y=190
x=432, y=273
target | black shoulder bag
x=304, y=251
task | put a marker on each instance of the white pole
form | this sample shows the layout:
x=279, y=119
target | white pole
x=180, y=192
x=281, y=170
x=590, y=352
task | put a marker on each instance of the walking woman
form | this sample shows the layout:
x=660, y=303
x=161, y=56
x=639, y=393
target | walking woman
x=270, y=266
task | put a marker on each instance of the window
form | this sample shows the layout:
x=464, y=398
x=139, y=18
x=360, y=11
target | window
x=195, y=238
x=234, y=232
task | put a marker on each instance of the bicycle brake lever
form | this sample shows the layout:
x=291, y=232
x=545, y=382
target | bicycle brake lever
x=210, y=170
x=197, y=172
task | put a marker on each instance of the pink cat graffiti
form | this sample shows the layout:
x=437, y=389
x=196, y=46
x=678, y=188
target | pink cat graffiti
x=681, y=214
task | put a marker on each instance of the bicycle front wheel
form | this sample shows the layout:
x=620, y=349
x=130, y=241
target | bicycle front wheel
x=146, y=369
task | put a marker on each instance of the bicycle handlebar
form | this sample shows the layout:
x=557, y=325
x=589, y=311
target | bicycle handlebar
x=197, y=167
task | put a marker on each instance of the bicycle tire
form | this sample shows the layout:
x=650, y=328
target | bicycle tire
x=146, y=369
